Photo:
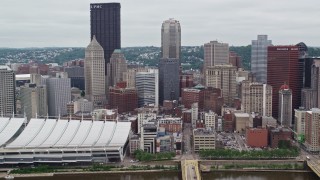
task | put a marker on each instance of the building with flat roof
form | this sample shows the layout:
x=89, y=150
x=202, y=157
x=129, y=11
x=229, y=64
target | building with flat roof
x=105, y=24
x=7, y=91
x=259, y=51
x=215, y=53
x=257, y=137
x=203, y=139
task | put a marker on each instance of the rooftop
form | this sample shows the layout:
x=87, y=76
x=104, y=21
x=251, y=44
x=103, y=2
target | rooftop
x=203, y=132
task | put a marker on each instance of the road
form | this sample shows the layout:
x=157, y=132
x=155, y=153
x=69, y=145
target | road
x=240, y=141
x=191, y=173
x=188, y=150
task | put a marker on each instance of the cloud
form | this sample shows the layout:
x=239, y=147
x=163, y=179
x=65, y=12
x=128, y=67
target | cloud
x=43, y=23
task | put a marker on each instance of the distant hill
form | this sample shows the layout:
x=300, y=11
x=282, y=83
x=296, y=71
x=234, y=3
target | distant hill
x=191, y=56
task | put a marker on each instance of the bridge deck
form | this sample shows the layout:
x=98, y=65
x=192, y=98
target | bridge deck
x=190, y=170
x=315, y=166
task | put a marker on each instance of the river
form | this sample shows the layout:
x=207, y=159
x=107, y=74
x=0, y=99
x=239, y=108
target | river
x=177, y=176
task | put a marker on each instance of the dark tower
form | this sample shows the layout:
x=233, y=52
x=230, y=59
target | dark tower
x=105, y=25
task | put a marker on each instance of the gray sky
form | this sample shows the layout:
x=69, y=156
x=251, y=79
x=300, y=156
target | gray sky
x=66, y=23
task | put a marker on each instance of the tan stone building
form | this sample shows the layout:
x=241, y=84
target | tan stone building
x=171, y=39
x=216, y=53
x=224, y=78
x=34, y=101
x=116, y=68
x=94, y=70
x=256, y=97
x=203, y=139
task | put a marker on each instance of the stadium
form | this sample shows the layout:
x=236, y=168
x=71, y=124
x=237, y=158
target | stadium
x=61, y=141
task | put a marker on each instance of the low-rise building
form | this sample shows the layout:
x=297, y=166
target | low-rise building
x=203, y=139
x=242, y=121
x=279, y=134
x=171, y=124
x=257, y=137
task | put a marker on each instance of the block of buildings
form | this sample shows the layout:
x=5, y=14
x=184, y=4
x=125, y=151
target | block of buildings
x=242, y=121
x=279, y=134
x=123, y=99
x=171, y=125
x=312, y=124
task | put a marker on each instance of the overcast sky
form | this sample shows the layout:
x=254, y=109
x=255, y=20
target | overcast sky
x=66, y=23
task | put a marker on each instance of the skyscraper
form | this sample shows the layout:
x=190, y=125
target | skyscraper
x=116, y=68
x=95, y=73
x=171, y=39
x=59, y=94
x=7, y=91
x=259, y=49
x=284, y=66
x=285, y=106
x=256, y=97
x=147, y=85
x=169, y=79
x=215, y=53
x=106, y=26
x=224, y=78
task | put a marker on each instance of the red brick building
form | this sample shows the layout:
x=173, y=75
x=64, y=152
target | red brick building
x=186, y=116
x=186, y=81
x=284, y=67
x=228, y=121
x=278, y=134
x=235, y=59
x=257, y=137
x=124, y=99
x=172, y=125
x=208, y=99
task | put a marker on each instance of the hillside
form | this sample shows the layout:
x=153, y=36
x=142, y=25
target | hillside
x=191, y=56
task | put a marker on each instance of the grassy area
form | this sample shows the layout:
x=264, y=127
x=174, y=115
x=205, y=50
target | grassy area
x=145, y=156
x=35, y=170
x=148, y=167
x=262, y=154
x=263, y=166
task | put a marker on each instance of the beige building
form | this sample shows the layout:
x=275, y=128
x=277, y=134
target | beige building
x=7, y=91
x=256, y=97
x=312, y=129
x=82, y=105
x=216, y=53
x=171, y=39
x=224, y=78
x=116, y=68
x=210, y=119
x=203, y=139
x=300, y=122
x=94, y=70
x=269, y=121
x=242, y=120
x=34, y=101
x=285, y=106
x=130, y=76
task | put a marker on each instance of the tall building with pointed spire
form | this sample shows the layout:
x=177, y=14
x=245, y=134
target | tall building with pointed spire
x=171, y=39
x=116, y=68
x=106, y=26
x=95, y=83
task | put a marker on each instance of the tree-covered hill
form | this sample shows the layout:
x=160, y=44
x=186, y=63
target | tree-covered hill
x=191, y=56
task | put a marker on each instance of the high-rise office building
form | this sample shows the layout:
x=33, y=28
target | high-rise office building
x=106, y=26
x=171, y=39
x=130, y=76
x=285, y=106
x=284, y=67
x=147, y=85
x=256, y=97
x=7, y=91
x=34, y=100
x=76, y=74
x=116, y=67
x=259, y=50
x=224, y=78
x=215, y=53
x=169, y=79
x=95, y=74
x=312, y=124
x=59, y=95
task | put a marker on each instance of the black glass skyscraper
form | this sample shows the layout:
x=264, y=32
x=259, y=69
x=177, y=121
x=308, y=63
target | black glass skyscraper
x=105, y=25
